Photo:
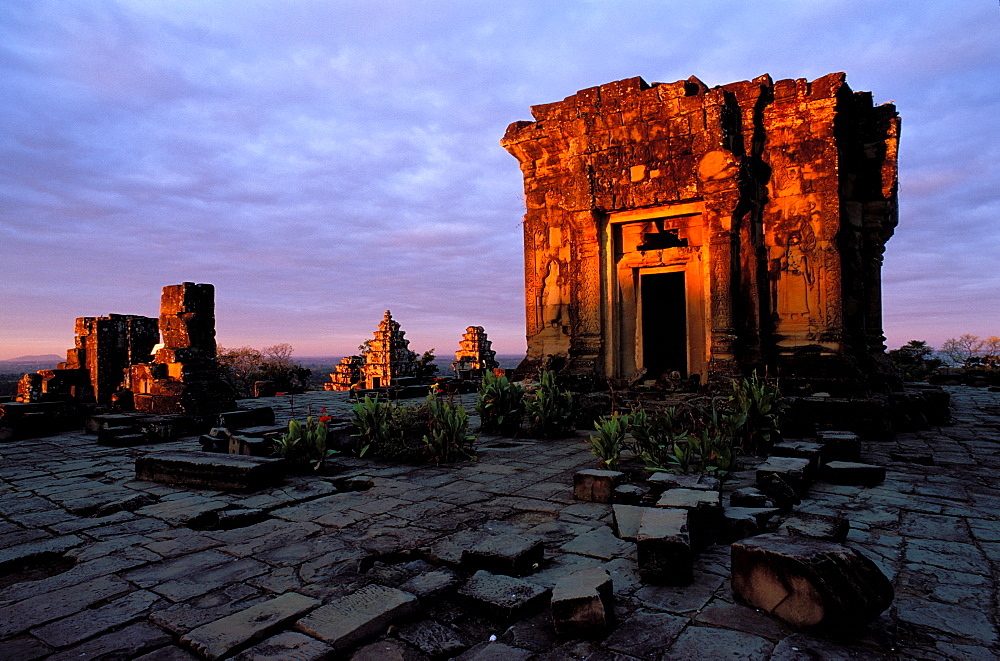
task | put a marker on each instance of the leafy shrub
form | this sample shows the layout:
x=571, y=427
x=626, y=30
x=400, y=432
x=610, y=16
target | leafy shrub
x=447, y=438
x=241, y=367
x=609, y=441
x=654, y=435
x=550, y=412
x=755, y=408
x=500, y=405
x=435, y=430
x=915, y=360
x=305, y=442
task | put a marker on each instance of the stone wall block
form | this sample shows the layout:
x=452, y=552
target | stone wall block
x=809, y=583
x=596, y=486
x=664, y=547
x=583, y=603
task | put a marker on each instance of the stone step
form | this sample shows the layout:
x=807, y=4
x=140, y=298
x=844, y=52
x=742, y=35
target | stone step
x=802, y=450
x=749, y=497
x=740, y=522
x=596, y=486
x=210, y=470
x=704, y=508
x=815, y=526
x=514, y=555
x=793, y=470
x=501, y=596
x=219, y=638
x=583, y=603
x=839, y=445
x=664, y=546
x=661, y=481
x=241, y=418
x=625, y=520
x=359, y=616
x=853, y=473
x=126, y=440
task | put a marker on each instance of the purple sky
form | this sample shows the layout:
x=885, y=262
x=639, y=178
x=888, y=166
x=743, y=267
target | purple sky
x=320, y=162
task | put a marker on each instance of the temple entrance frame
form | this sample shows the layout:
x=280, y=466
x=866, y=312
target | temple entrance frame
x=628, y=268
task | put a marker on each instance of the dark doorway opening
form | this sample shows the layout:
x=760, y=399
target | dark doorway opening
x=664, y=324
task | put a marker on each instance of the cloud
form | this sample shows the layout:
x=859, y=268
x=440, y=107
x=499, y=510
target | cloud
x=320, y=162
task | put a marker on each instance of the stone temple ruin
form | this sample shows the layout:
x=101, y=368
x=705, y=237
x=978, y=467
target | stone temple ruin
x=113, y=361
x=673, y=228
x=475, y=355
x=386, y=359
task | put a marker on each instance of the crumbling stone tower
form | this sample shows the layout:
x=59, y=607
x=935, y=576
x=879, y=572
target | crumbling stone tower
x=387, y=355
x=94, y=370
x=677, y=228
x=475, y=354
x=184, y=375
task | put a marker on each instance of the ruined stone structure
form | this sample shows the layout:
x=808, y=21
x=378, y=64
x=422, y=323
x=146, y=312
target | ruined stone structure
x=184, y=375
x=95, y=367
x=677, y=228
x=387, y=355
x=475, y=354
x=345, y=375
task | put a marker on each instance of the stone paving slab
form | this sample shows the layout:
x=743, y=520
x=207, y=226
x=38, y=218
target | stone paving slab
x=143, y=579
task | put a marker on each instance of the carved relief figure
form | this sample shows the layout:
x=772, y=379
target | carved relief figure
x=795, y=279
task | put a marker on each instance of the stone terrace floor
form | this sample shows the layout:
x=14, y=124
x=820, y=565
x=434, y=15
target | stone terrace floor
x=135, y=579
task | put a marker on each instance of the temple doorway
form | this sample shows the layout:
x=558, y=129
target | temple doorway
x=664, y=323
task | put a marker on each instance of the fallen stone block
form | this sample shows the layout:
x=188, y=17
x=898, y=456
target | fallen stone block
x=241, y=418
x=358, y=616
x=808, y=583
x=816, y=526
x=853, y=473
x=921, y=458
x=793, y=470
x=502, y=596
x=216, y=440
x=220, y=637
x=251, y=446
x=704, y=510
x=596, y=486
x=749, y=497
x=801, y=450
x=625, y=521
x=740, y=522
x=430, y=584
x=287, y=646
x=210, y=470
x=433, y=639
x=628, y=494
x=514, y=555
x=664, y=546
x=781, y=493
x=661, y=481
x=583, y=603
x=839, y=445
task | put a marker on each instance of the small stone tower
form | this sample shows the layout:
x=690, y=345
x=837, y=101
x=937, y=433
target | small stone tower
x=476, y=354
x=387, y=356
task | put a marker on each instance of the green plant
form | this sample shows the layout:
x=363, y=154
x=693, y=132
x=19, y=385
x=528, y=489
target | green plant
x=550, y=412
x=305, y=442
x=500, y=405
x=371, y=417
x=690, y=440
x=609, y=441
x=757, y=406
x=447, y=436
x=435, y=430
x=654, y=435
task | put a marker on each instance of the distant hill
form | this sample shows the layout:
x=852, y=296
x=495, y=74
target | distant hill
x=30, y=363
